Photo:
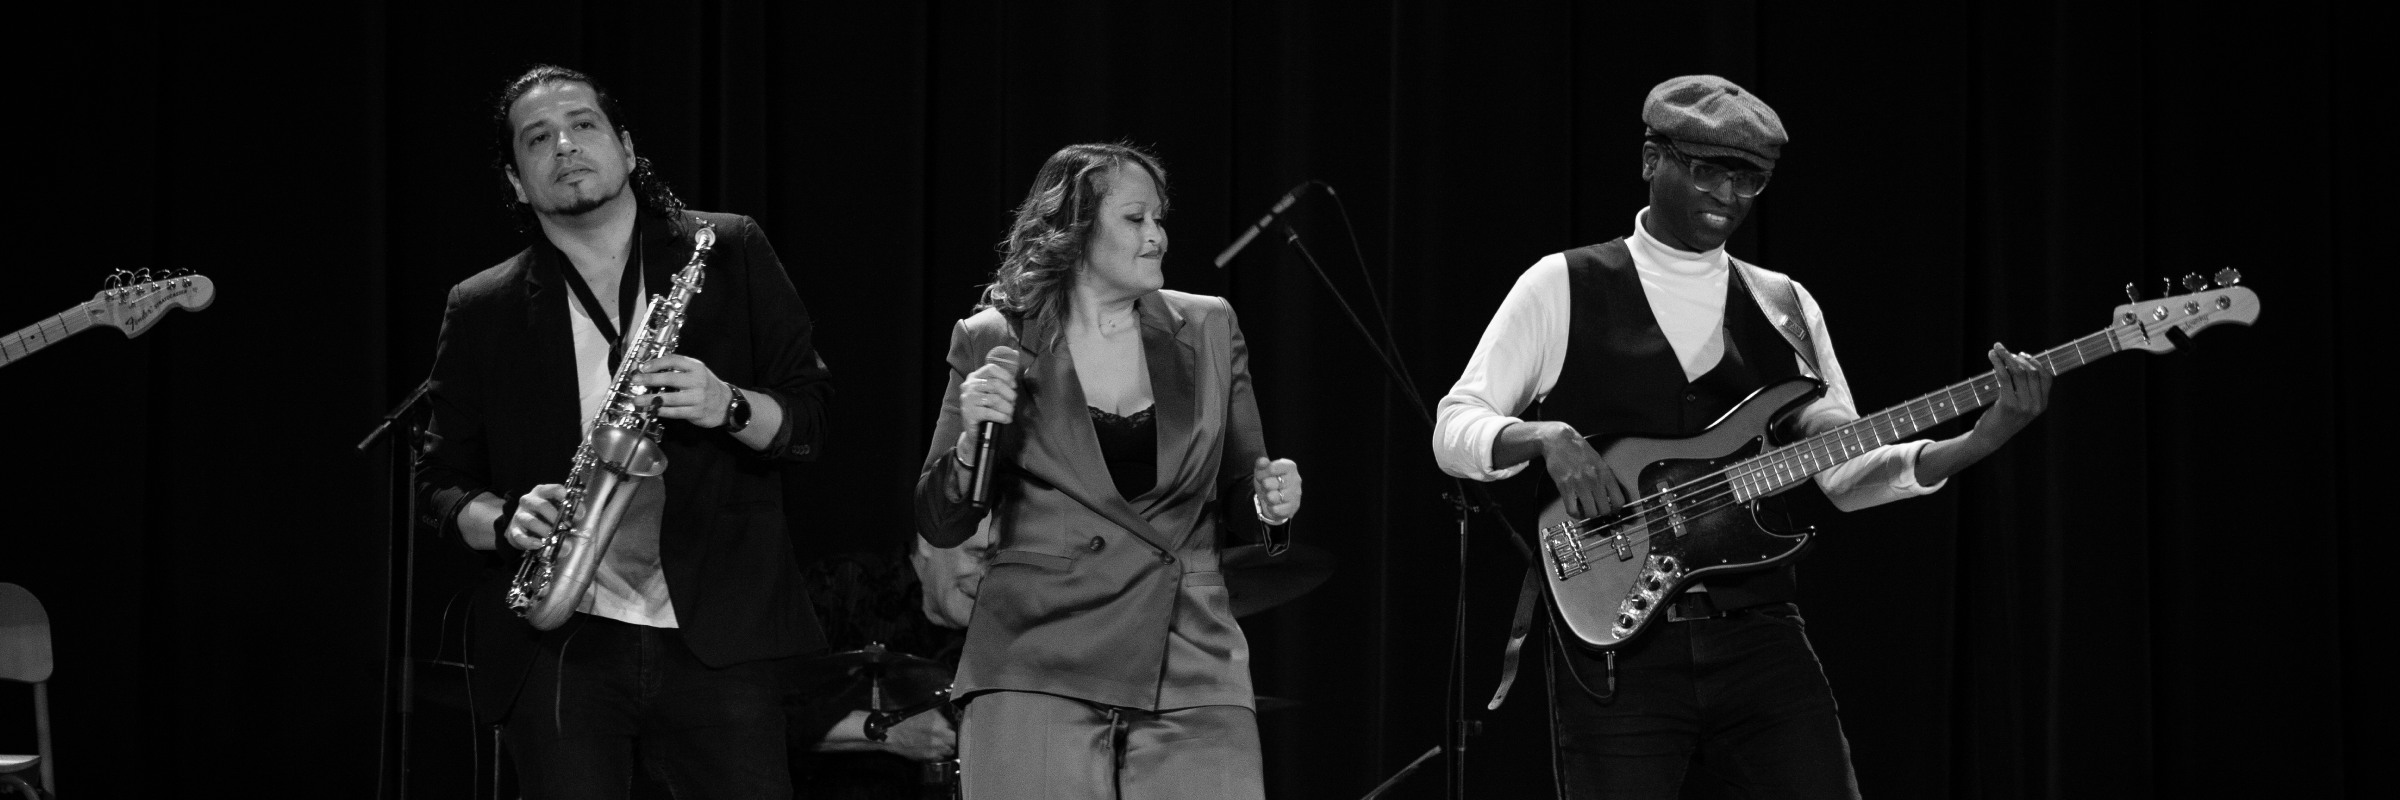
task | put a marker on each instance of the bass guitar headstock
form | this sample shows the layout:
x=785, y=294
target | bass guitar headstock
x=2145, y=324
x=134, y=301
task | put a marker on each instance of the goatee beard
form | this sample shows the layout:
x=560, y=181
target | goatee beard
x=582, y=207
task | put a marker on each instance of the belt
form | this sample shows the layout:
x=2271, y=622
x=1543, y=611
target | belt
x=1690, y=606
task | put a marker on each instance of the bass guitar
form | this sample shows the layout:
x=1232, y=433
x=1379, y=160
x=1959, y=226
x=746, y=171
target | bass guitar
x=131, y=303
x=1695, y=511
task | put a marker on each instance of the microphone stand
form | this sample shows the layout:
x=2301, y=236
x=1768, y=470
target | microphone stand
x=1469, y=498
x=400, y=431
x=1404, y=772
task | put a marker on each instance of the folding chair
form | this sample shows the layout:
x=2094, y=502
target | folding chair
x=25, y=658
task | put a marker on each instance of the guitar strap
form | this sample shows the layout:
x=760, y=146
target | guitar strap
x=1779, y=299
x=1528, y=596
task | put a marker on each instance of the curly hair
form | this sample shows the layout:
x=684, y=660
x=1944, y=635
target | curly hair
x=654, y=194
x=1045, y=245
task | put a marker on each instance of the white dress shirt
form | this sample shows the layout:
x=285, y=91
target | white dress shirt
x=1523, y=350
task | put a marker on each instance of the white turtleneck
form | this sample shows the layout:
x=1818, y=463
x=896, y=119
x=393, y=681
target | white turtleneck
x=1686, y=293
x=1518, y=361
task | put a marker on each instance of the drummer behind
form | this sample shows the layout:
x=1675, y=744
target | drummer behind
x=923, y=737
x=1102, y=658
x=950, y=576
x=839, y=723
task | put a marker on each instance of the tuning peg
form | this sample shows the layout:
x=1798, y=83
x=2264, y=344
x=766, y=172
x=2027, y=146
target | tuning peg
x=2193, y=282
x=2166, y=286
x=2131, y=296
x=2228, y=277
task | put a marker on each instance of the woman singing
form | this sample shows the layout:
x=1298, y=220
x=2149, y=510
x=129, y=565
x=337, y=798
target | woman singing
x=1102, y=659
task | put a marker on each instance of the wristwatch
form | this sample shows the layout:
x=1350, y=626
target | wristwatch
x=737, y=410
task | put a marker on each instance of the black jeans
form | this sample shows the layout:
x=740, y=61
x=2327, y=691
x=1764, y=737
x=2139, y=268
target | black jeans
x=705, y=733
x=1743, y=692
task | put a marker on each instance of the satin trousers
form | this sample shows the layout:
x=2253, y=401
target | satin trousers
x=1033, y=746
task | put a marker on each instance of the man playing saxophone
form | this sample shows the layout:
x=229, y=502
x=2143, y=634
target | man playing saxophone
x=696, y=607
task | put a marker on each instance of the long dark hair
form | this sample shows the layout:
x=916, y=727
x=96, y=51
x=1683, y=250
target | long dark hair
x=1054, y=224
x=654, y=194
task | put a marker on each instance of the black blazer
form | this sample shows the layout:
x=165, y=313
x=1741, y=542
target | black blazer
x=505, y=419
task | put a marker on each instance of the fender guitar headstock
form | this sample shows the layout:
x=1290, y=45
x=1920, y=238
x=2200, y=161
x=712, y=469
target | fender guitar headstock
x=2145, y=324
x=134, y=301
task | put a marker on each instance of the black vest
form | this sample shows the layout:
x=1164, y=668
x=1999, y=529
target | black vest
x=1621, y=377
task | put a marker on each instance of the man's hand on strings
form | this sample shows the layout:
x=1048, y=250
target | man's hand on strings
x=1583, y=480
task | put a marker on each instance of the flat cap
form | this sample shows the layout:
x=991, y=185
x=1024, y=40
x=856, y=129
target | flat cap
x=1709, y=116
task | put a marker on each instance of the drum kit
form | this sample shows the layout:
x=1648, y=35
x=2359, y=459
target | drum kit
x=899, y=685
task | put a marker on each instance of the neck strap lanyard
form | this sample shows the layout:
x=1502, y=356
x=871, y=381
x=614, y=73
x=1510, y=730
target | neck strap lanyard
x=629, y=286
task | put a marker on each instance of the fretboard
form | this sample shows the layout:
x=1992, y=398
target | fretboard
x=41, y=334
x=1772, y=471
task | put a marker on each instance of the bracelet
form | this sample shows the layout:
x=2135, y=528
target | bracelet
x=1259, y=505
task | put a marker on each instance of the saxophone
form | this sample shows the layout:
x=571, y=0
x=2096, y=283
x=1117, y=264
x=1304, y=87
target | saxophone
x=619, y=451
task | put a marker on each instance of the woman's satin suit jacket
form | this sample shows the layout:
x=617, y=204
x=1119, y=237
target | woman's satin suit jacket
x=1091, y=595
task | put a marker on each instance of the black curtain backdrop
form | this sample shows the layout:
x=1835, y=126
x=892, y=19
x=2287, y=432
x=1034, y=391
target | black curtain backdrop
x=2155, y=591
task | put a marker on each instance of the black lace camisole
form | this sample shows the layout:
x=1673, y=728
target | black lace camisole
x=1130, y=445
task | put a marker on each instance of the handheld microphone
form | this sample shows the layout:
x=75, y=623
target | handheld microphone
x=1005, y=358
x=1281, y=206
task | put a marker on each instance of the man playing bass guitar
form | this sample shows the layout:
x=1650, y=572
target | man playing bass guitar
x=1661, y=333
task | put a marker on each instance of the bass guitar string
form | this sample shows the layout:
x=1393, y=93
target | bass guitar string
x=1719, y=486
x=1705, y=493
x=1719, y=491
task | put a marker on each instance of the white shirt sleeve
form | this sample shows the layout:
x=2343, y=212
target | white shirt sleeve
x=1516, y=364
x=1875, y=477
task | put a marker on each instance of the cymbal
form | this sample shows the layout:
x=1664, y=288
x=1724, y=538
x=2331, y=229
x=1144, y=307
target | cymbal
x=875, y=655
x=892, y=680
x=1259, y=582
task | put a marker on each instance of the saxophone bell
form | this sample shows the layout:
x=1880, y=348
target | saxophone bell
x=621, y=460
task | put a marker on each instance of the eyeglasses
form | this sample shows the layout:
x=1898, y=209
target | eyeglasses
x=1706, y=177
